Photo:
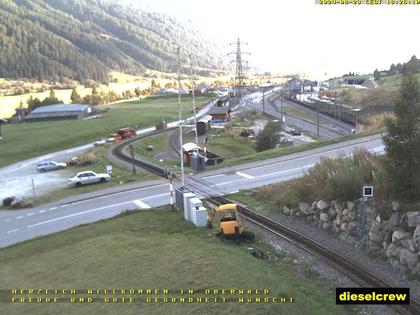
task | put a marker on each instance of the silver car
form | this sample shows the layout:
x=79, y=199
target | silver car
x=50, y=166
x=88, y=177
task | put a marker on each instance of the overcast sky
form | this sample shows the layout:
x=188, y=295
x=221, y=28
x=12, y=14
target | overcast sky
x=300, y=36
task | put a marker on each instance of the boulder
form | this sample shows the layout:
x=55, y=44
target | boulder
x=392, y=250
x=395, y=206
x=417, y=232
x=323, y=217
x=351, y=226
x=413, y=218
x=350, y=205
x=417, y=270
x=414, y=245
x=408, y=258
x=343, y=226
x=332, y=213
x=305, y=208
x=286, y=210
x=321, y=205
x=399, y=235
x=22, y=203
x=352, y=215
x=338, y=208
x=375, y=237
x=393, y=220
x=326, y=225
x=395, y=263
x=345, y=212
x=7, y=202
x=337, y=220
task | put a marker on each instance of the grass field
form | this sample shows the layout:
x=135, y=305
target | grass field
x=23, y=141
x=156, y=249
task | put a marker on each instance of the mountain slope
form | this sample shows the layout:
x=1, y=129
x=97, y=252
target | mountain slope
x=84, y=39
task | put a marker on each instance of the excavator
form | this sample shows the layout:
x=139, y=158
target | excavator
x=230, y=225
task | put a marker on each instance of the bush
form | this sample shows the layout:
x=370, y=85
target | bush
x=268, y=138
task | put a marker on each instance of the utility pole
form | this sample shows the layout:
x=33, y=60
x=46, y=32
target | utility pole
x=181, y=151
x=194, y=108
x=239, y=76
x=263, y=100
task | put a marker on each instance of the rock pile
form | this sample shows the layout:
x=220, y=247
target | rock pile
x=384, y=230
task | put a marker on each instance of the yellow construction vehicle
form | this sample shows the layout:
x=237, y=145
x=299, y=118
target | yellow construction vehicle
x=230, y=225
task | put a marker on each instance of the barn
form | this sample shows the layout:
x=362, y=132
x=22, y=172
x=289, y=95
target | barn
x=220, y=113
x=59, y=112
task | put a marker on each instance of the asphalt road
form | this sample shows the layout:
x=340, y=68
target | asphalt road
x=20, y=225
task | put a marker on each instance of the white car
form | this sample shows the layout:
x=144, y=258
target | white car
x=88, y=177
x=50, y=166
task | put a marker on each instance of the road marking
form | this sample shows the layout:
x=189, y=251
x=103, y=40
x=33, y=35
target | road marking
x=29, y=214
x=19, y=217
x=267, y=175
x=11, y=231
x=141, y=204
x=118, y=193
x=53, y=208
x=63, y=206
x=245, y=175
x=207, y=177
x=42, y=211
x=76, y=214
x=334, y=150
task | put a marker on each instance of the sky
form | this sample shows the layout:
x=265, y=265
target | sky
x=292, y=36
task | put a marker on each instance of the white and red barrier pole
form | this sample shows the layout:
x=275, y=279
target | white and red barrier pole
x=171, y=189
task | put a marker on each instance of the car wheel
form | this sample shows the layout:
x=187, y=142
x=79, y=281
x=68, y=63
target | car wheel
x=43, y=170
x=60, y=167
x=102, y=180
x=78, y=184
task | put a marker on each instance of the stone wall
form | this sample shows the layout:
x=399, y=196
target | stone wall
x=384, y=230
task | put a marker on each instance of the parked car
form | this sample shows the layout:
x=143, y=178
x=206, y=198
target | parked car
x=113, y=138
x=127, y=133
x=50, y=166
x=88, y=177
x=293, y=132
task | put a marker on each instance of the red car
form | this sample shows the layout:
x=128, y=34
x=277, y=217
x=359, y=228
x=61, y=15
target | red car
x=127, y=133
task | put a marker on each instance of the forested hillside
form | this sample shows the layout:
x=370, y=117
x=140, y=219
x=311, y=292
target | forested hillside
x=84, y=39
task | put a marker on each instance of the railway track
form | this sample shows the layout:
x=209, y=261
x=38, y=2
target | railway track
x=298, y=122
x=353, y=271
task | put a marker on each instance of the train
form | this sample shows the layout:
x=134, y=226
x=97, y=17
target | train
x=337, y=110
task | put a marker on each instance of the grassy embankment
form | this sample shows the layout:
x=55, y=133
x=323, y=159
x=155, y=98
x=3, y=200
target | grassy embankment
x=156, y=249
x=350, y=173
x=23, y=141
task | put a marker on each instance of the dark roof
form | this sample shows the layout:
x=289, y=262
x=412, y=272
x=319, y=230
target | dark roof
x=60, y=108
x=218, y=110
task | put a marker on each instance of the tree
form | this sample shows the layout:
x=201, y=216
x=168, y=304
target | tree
x=268, y=138
x=75, y=97
x=376, y=75
x=402, y=142
x=33, y=103
x=52, y=99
